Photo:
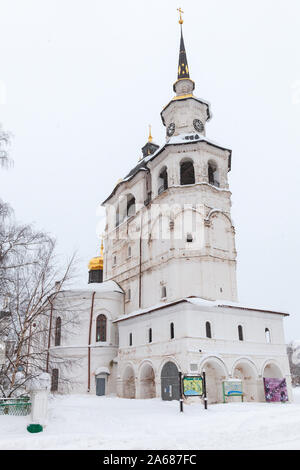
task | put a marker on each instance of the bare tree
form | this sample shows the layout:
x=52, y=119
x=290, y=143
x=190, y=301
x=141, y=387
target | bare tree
x=5, y=139
x=28, y=280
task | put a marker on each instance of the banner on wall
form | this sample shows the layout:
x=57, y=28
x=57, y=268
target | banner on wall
x=192, y=386
x=275, y=389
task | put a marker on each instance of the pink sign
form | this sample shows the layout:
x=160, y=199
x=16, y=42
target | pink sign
x=275, y=389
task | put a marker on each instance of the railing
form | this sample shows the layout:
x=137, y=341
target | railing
x=15, y=406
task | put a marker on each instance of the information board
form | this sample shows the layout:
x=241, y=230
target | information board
x=232, y=388
x=192, y=386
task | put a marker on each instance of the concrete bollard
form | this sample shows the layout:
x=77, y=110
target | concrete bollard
x=38, y=388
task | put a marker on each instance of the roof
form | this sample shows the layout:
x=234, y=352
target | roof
x=98, y=287
x=199, y=302
x=181, y=139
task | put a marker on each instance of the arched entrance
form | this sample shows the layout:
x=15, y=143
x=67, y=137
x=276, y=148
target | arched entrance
x=170, y=382
x=129, y=383
x=147, y=382
x=245, y=371
x=215, y=374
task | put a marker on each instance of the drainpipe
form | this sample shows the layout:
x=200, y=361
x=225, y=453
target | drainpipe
x=49, y=336
x=89, y=345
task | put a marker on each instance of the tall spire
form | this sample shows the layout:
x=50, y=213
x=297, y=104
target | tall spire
x=183, y=69
x=183, y=72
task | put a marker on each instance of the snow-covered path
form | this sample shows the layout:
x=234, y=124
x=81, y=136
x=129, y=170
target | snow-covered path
x=90, y=422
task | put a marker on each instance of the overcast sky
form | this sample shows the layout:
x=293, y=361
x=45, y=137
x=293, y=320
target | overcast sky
x=80, y=80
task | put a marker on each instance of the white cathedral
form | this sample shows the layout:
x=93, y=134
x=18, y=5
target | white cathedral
x=162, y=296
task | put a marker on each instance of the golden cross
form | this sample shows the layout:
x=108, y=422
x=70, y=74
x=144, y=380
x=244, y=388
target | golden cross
x=180, y=13
x=150, y=136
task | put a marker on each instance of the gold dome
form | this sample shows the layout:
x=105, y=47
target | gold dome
x=96, y=263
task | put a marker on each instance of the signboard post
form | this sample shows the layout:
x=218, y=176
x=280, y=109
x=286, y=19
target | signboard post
x=204, y=390
x=232, y=388
x=180, y=393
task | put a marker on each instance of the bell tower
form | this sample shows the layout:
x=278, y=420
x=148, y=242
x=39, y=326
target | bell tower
x=184, y=113
x=178, y=239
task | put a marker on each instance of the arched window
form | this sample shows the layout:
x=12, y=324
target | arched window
x=208, y=329
x=189, y=238
x=57, y=331
x=162, y=180
x=172, y=330
x=130, y=205
x=187, y=173
x=101, y=328
x=150, y=335
x=163, y=292
x=130, y=339
x=54, y=380
x=240, y=331
x=267, y=335
x=213, y=174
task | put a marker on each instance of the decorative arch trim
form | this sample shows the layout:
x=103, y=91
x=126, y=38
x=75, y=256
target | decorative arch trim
x=217, y=359
x=244, y=359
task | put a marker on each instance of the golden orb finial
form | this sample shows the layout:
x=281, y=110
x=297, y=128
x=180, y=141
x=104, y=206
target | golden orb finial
x=180, y=17
x=150, y=136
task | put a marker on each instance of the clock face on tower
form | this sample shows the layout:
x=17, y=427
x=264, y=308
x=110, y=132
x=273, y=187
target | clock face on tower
x=198, y=125
x=170, y=129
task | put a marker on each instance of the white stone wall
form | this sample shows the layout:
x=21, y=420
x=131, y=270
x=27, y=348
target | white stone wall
x=71, y=356
x=224, y=352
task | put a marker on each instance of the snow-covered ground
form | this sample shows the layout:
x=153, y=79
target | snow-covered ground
x=90, y=422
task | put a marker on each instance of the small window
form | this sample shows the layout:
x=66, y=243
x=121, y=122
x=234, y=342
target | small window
x=130, y=339
x=163, y=180
x=150, y=335
x=54, y=380
x=57, y=331
x=240, y=332
x=267, y=335
x=163, y=292
x=189, y=238
x=129, y=252
x=130, y=205
x=114, y=260
x=101, y=328
x=172, y=330
x=129, y=294
x=208, y=329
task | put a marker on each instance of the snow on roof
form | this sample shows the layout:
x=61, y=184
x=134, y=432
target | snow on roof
x=191, y=137
x=107, y=286
x=102, y=370
x=229, y=304
x=199, y=302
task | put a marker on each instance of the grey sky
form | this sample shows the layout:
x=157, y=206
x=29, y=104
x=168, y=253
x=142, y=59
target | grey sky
x=83, y=80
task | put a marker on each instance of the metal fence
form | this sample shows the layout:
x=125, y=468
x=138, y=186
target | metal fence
x=15, y=406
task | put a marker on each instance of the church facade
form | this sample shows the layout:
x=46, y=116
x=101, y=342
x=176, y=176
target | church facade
x=162, y=297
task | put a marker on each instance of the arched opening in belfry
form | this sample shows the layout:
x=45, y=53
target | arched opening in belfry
x=213, y=174
x=215, y=374
x=170, y=382
x=129, y=383
x=147, y=382
x=162, y=180
x=187, y=172
x=245, y=371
